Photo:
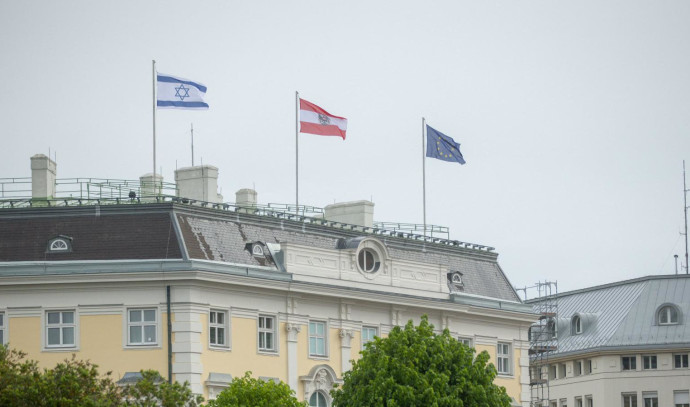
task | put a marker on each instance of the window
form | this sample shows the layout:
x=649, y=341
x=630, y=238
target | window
x=650, y=399
x=368, y=334
x=257, y=250
x=317, y=399
x=60, y=329
x=561, y=371
x=589, y=402
x=551, y=328
x=648, y=362
x=2, y=328
x=217, y=323
x=668, y=315
x=368, y=261
x=465, y=341
x=629, y=362
x=577, y=325
x=503, y=358
x=588, y=366
x=578, y=402
x=681, y=399
x=629, y=400
x=317, y=338
x=554, y=403
x=552, y=372
x=267, y=333
x=578, y=368
x=563, y=403
x=142, y=326
x=680, y=361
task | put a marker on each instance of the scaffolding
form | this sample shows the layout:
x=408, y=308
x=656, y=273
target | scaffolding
x=543, y=338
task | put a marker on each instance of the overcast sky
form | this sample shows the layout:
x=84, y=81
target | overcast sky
x=573, y=116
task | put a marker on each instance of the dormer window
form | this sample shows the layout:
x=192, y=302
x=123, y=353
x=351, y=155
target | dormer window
x=368, y=260
x=577, y=325
x=257, y=250
x=667, y=315
x=60, y=244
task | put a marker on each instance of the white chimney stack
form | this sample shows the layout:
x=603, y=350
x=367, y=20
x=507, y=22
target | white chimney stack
x=43, y=171
x=359, y=213
x=199, y=183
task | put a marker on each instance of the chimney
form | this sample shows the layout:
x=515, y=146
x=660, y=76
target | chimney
x=42, y=177
x=149, y=188
x=246, y=198
x=199, y=183
x=359, y=213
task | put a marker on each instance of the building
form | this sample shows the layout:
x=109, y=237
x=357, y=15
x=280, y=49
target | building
x=620, y=344
x=132, y=277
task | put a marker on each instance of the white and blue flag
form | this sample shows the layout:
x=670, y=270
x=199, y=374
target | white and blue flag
x=179, y=93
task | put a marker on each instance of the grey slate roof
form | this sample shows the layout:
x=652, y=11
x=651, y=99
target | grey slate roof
x=623, y=315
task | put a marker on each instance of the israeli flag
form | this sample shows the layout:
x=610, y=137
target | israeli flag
x=179, y=93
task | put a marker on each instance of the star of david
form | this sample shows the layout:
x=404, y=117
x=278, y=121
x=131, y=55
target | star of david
x=182, y=92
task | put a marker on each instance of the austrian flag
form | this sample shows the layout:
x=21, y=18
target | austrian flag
x=315, y=120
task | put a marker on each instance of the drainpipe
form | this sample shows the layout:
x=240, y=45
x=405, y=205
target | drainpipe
x=170, y=369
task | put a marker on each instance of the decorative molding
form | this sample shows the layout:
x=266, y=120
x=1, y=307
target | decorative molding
x=346, y=336
x=245, y=313
x=293, y=331
x=320, y=378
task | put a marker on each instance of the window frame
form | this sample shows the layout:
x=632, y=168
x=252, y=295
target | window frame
x=589, y=401
x=632, y=397
x=225, y=325
x=314, y=354
x=318, y=393
x=632, y=366
x=274, y=331
x=667, y=309
x=650, y=395
x=466, y=340
x=579, y=402
x=60, y=326
x=683, y=358
x=504, y=358
x=577, y=325
x=653, y=362
x=143, y=324
x=562, y=371
x=368, y=328
x=587, y=366
x=578, y=368
x=681, y=392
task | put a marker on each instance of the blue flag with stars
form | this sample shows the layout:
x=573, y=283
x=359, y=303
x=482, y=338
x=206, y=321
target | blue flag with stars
x=179, y=93
x=440, y=146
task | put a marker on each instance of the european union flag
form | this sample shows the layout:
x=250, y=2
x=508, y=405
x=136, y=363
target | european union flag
x=440, y=146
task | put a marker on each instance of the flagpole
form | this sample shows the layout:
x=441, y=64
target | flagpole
x=154, y=125
x=424, y=175
x=297, y=152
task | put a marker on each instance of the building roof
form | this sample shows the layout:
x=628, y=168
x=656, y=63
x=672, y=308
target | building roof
x=623, y=315
x=187, y=232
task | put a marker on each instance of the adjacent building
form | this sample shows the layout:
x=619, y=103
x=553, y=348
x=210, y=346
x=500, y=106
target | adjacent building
x=621, y=344
x=132, y=278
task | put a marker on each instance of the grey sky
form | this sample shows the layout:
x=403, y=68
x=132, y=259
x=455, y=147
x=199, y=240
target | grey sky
x=573, y=116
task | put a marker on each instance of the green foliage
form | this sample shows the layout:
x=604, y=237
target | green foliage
x=70, y=383
x=76, y=383
x=416, y=367
x=153, y=391
x=248, y=392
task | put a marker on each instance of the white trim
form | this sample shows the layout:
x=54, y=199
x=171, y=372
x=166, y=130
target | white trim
x=503, y=356
x=326, y=334
x=4, y=324
x=125, y=327
x=225, y=325
x=276, y=324
x=44, y=330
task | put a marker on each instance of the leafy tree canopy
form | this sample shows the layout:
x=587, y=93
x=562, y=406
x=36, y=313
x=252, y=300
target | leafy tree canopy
x=76, y=383
x=413, y=366
x=249, y=392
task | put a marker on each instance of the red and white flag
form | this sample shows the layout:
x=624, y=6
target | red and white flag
x=315, y=120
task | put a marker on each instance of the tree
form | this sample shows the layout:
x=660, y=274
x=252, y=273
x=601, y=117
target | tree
x=70, y=383
x=153, y=391
x=416, y=367
x=249, y=392
x=76, y=383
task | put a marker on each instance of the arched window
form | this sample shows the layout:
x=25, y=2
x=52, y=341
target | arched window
x=577, y=325
x=59, y=244
x=317, y=399
x=668, y=315
x=368, y=260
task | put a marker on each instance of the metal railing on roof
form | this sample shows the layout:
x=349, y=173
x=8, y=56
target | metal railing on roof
x=16, y=193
